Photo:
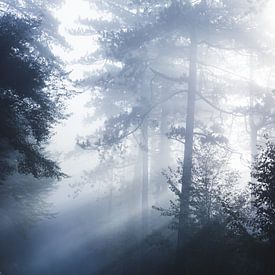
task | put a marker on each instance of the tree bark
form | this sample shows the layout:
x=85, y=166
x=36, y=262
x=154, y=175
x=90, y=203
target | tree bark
x=188, y=148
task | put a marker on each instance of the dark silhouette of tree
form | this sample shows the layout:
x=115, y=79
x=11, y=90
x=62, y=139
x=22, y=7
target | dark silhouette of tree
x=263, y=191
x=212, y=183
x=30, y=98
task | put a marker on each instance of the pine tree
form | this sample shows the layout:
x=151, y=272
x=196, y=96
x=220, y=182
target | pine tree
x=30, y=98
x=263, y=191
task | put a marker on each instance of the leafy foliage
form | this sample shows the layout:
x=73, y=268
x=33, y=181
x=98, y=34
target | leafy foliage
x=263, y=191
x=30, y=100
x=213, y=182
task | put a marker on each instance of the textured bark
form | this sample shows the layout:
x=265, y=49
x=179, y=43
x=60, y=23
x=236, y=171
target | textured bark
x=188, y=148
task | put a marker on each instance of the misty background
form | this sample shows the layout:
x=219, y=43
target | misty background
x=136, y=137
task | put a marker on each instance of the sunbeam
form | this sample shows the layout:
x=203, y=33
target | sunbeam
x=137, y=137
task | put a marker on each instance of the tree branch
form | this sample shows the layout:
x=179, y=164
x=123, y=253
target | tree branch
x=182, y=79
x=216, y=46
x=216, y=107
x=88, y=146
x=150, y=110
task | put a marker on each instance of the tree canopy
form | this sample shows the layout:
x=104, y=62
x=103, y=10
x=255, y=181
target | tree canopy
x=30, y=98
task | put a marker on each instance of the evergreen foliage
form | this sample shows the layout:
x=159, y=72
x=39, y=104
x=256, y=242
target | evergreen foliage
x=30, y=98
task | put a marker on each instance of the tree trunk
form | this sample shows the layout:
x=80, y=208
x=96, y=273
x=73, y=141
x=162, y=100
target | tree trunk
x=110, y=202
x=136, y=187
x=253, y=131
x=163, y=155
x=110, y=197
x=145, y=177
x=188, y=148
x=253, y=141
x=252, y=124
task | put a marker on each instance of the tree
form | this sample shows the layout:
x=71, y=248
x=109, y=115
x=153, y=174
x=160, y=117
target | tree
x=263, y=191
x=30, y=98
x=261, y=112
x=31, y=104
x=212, y=182
x=194, y=29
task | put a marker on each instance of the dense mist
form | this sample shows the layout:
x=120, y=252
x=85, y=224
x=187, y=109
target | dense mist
x=137, y=137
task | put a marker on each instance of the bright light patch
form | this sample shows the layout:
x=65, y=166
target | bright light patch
x=69, y=15
x=72, y=10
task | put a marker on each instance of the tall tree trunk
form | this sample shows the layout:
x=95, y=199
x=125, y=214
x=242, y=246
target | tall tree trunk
x=110, y=196
x=163, y=155
x=145, y=177
x=136, y=187
x=252, y=124
x=110, y=202
x=188, y=148
x=253, y=141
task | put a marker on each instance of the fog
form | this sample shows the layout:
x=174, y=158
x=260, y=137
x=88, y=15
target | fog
x=137, y=137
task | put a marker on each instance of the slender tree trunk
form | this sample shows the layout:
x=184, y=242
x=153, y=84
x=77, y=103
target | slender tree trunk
x=145, y=177
x=163, y=155
x=136, y=187
x=253, y=128
x=110, y=197
x=253, y=131
x=110, y=202
x=253, y=141
x=188, y=148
